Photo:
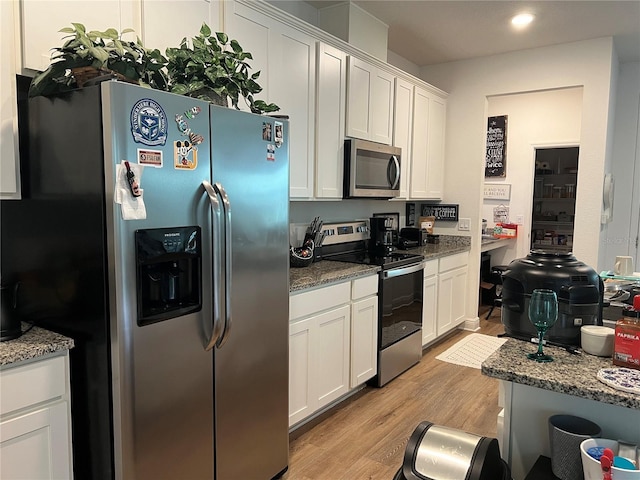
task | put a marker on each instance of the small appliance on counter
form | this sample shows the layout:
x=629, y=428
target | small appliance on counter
x=383, y=236
x=578, y=287
x=416, y=237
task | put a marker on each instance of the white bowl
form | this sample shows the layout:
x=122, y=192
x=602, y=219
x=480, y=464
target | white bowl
x=597, y=340
x=591, y=466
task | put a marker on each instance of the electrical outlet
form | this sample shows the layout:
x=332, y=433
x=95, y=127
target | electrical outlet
x=464, y=224
x=520, y=219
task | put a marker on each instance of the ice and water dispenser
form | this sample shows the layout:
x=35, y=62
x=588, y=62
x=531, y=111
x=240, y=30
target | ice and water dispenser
x=169, y=273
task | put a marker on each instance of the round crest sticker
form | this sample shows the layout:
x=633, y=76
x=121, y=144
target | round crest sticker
x=148, y=122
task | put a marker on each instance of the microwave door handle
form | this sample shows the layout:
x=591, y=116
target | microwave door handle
x=216, y=265
x=396, y=176
x=226, y=207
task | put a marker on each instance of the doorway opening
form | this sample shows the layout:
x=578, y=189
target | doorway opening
x=554, y=199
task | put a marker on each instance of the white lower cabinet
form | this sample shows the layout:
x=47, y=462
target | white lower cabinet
x=332, y=344
x=429, y=301
x=35, y=417
x=452, y=285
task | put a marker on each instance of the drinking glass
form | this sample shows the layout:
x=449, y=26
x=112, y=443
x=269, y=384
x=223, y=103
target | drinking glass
x=543, y=313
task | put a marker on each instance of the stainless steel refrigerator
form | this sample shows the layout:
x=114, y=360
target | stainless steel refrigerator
x=154, y=232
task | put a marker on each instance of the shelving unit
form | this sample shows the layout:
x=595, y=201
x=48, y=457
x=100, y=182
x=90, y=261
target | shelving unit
x=554, y=199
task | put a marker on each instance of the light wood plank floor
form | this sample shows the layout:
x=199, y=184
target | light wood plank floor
x=366, y=438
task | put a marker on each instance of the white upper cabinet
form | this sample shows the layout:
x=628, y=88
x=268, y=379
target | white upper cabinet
x=286, y=58
x=427, y=162
x=9, y=156
x=160, y=28
x=369, y=113
x=42, y=20
x=402, y=127
x=331, y=97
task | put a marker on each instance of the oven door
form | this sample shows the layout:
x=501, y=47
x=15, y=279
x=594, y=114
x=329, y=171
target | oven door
x=400, y=304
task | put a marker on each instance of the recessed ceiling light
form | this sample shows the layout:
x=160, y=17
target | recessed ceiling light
x=522, y=20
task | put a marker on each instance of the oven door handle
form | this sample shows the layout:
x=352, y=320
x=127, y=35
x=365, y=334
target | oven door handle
x=396, y=272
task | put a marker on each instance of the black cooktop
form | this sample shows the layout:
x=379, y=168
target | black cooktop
x=393, y=260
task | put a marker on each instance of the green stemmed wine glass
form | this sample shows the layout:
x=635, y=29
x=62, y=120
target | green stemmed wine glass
x=543, y=313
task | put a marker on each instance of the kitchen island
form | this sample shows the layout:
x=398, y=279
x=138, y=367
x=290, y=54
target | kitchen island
x=568, y=385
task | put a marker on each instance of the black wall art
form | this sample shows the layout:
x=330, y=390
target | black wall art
x=496, y=156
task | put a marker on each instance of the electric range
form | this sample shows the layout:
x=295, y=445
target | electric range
x=400, y=291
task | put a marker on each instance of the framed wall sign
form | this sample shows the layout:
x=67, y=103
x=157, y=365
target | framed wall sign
x=440, y=212
x=496, y=154
x=497, y=191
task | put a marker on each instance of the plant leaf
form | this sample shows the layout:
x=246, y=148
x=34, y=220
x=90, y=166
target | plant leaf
x=205, y=30
x=79, y=27
x=223, y=38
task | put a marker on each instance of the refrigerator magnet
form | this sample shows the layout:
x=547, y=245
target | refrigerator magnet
x=185, y=155
x=279, y=134
x=150, y=158
x=148, y=123
x=266, y=131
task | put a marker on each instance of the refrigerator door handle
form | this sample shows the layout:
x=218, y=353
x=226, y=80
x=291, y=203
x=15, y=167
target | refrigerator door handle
x=226, y=207
x=216, y=264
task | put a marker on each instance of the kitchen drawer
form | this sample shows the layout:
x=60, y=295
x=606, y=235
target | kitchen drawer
x=363, y=287
x=453, y=261
x=32, y=383
x=430, y=268
x=307, y=303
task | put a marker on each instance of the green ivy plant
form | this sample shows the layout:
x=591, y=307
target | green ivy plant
x=105, y=51
x=213, y=69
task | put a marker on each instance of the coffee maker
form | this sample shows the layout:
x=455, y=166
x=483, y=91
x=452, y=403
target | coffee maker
x=383, y=236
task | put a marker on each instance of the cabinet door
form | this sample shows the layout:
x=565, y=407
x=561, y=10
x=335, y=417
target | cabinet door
x=301, y=402
x=427, y=166
x=445, y=302
x=460, y=292
x=364, y=340
x=435, y=147
x=420, y=144
x=451, y=299
x=331, y=345
x=402, y=121
x=160, y=28
x=36, y=444
x=9, y=156
x=286, y=59
x=331, y=96
x=429, y=308
x=42, y=20
x=359, y=91
x=381, y=111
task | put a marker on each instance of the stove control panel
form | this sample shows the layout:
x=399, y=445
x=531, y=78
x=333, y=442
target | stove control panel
x=335, y=233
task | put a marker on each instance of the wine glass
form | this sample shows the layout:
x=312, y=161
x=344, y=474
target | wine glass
x=543, y=313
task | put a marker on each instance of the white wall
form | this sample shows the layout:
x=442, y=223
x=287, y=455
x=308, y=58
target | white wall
x=470, y=83
x=537, y=119
x=621, y=234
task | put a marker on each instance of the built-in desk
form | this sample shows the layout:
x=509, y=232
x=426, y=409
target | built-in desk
x=494, y=243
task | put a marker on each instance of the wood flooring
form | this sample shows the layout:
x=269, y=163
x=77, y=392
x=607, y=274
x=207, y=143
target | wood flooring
x=365, y=437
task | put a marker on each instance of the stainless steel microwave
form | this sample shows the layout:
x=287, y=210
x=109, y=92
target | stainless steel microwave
x=371, y=170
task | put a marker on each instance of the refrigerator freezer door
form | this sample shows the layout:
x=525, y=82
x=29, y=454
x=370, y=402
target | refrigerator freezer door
x=162, y=374
x=251, y=365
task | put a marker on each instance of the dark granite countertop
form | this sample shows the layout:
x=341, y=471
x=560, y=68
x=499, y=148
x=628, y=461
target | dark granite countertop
x=326, y=272
x=568, y=373
x=37, y=342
